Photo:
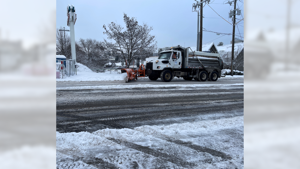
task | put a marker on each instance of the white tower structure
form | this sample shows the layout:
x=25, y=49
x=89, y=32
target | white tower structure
x=72, y=17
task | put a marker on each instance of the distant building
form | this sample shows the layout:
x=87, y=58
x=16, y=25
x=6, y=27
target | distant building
x=225, y=54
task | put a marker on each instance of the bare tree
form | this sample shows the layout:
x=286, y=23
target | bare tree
x=87, y=46
x=135, y=40
x=93, y=49
x=63, y=45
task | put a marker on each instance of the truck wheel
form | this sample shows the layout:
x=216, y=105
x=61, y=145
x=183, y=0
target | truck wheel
x=214, y=76
x=203, y=75
x=166, y=76
x=188, y=78
x=153, y=77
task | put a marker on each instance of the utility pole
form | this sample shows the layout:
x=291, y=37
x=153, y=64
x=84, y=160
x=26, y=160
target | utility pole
x=198, y=7
x=198, y=30
x=201, y=25
x=64, y=30
x=233, y=35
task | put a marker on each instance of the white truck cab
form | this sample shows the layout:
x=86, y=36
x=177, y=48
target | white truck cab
x=168, y=59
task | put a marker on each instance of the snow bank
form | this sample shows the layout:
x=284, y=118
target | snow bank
x=86, y=74
x=82, y=68
x=228, y=72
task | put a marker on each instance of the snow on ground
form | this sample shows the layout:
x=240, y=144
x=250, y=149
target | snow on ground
x=86, y=74
x=150, y=86
x=162, y=146
x=29, y=158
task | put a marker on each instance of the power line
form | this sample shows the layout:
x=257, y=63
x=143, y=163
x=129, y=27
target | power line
x=219, y=15
x=220, y=33
x=239, y=21
x=215, y=39
x=216, y=32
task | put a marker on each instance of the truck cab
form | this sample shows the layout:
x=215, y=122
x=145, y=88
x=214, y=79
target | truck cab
x=168, y=59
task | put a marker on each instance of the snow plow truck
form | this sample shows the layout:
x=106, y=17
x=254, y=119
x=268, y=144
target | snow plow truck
x=179, y=61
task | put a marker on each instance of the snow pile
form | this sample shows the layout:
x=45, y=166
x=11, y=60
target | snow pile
x=157, y=146
x=86, y=74
x=82, y=68
x=29, y=158
x=235, y=72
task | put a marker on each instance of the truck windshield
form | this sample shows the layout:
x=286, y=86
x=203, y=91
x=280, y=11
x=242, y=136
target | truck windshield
x=165, y=55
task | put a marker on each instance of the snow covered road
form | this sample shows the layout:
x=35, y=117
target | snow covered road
x=150, y=126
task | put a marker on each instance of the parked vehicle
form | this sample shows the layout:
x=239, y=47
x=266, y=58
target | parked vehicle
x=178, y=61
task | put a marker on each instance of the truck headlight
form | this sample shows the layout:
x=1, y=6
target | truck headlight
x=157, y=61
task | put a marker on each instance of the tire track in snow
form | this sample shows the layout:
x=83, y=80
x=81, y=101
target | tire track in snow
x=200, y=148
x=147, y=150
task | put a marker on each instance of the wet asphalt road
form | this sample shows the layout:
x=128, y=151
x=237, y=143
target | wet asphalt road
x=94, y=109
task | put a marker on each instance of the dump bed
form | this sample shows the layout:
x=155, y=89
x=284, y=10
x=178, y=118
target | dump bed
x=201, y=61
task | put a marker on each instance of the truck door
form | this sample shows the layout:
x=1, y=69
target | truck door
x=177, y=60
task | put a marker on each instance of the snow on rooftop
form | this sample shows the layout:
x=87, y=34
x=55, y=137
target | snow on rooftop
x=205, y=47
x=60, y=56
x=226, y=49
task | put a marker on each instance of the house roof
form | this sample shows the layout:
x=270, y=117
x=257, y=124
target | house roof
x=227, y=48
x=205, y=47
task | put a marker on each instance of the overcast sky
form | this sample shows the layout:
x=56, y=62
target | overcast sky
x=173, y=21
